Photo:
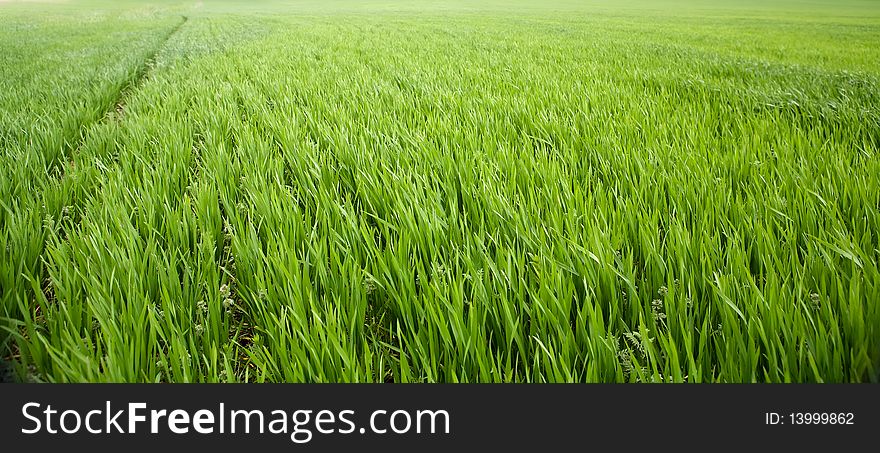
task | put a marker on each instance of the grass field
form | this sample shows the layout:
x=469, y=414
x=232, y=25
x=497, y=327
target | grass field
x=391, y=191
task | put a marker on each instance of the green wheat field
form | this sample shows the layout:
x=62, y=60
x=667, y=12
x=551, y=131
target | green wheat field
x=453, y=191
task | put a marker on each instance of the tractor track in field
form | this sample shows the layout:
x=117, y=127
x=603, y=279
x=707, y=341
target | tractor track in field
x=117, y=106
x=113, y=112
x=57, y=171
x=141, y=73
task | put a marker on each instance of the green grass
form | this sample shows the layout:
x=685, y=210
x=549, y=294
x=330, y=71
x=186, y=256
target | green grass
x=675, y=191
